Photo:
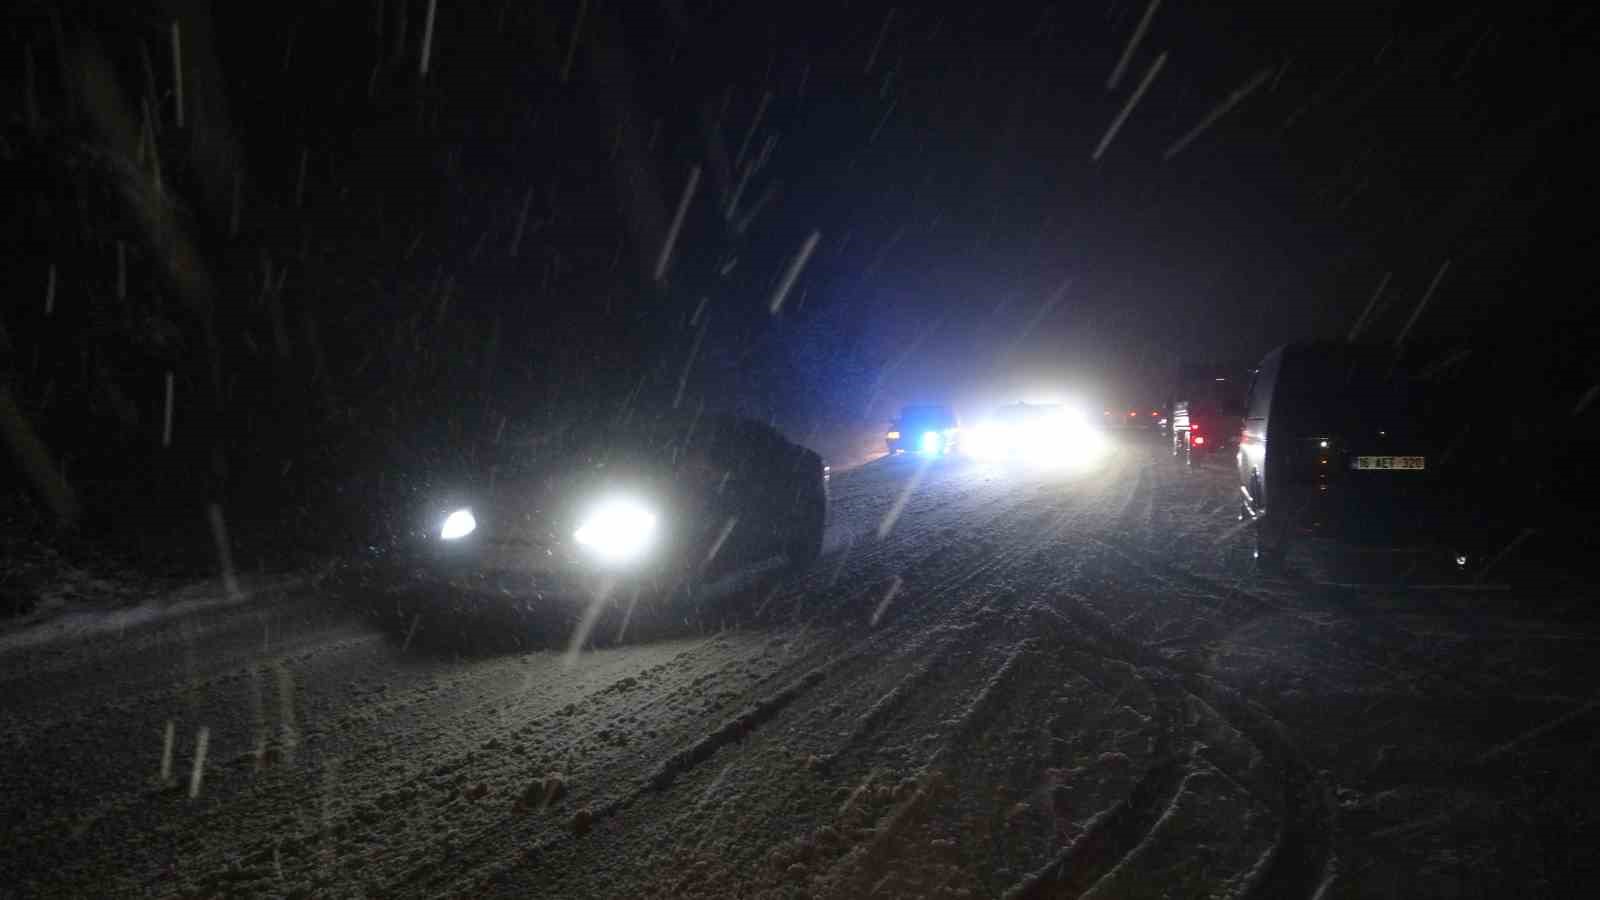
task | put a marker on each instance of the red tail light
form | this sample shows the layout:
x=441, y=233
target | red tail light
x=1199, y=441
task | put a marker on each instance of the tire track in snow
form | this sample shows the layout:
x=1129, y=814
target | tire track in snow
x=867, y=723
x=1241, y=607
x=479, y=857
x=981, y=704
x=1237, y=608
x=739, y=727
x=105, y=792
x=1114, y=833
x=868, y=866
x=908, y=813
x=1111, y=837
x=50, y=705
x=730, y=731
x=908, y=618
x=687, y=759
x=885, y=558
x=1016, y=523
x=1021, y=548
x=475, y=751
x=869, y=647
x=896, y=697
x=1126, y=518
x=923, y=514
x=1301, y=861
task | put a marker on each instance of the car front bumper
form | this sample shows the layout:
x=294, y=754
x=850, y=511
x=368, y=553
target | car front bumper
x=519, y=572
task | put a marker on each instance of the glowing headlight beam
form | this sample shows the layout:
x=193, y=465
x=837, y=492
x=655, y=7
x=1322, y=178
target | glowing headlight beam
x=458, y=525
x=618, y=530
x=989, y=442
x=1063, y=440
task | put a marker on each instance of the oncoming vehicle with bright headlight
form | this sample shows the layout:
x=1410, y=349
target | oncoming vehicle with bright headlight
x=651, y=507
x=1041, y=434
x=930, y=430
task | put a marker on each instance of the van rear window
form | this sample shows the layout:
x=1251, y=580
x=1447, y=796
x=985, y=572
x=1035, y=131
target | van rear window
x=1226, y=397
x=1338, y=387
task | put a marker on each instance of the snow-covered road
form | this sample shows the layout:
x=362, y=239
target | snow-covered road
x=1067, y=685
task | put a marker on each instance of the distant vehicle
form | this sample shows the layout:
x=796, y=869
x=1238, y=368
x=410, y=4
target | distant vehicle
x=650, y=506
x=1207, y=411
x=1038, y=433
x=930, y=429
x=1133, y=418
x=1336, y=442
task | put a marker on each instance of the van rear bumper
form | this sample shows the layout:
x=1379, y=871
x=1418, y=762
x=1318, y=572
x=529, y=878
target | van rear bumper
x=1376, y=517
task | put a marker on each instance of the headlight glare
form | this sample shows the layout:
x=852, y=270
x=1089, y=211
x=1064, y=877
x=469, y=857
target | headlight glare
x=458, y=525
x=617, y=530
x=989, y=441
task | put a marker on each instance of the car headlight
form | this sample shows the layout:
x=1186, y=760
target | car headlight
x=617, y=530
x=932, y=443
x=893, y=436
x=458, y=525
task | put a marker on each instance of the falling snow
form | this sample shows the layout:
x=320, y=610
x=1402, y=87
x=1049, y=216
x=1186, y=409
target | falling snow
x=263, y=338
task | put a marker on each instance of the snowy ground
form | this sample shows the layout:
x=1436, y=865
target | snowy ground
x=1051, y=686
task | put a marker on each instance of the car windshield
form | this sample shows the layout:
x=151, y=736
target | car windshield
x=588, y=449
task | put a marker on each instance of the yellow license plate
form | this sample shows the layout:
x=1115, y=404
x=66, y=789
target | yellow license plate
x=1391, y=463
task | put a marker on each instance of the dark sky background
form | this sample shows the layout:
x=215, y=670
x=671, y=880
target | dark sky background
x=971, y=246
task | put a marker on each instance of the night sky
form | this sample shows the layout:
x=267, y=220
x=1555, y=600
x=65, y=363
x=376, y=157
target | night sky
x=971, y=246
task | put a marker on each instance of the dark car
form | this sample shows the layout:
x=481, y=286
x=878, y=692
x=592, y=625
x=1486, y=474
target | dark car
x=651, y=505
x=930, y=429
x=1339, y=440
x=1207, y=411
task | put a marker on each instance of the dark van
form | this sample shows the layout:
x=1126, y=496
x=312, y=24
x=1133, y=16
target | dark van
x=1337, y=442
x=930, y=429
x=1207, y=410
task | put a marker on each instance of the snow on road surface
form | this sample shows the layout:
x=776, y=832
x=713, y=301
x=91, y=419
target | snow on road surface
x=1030, y=685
